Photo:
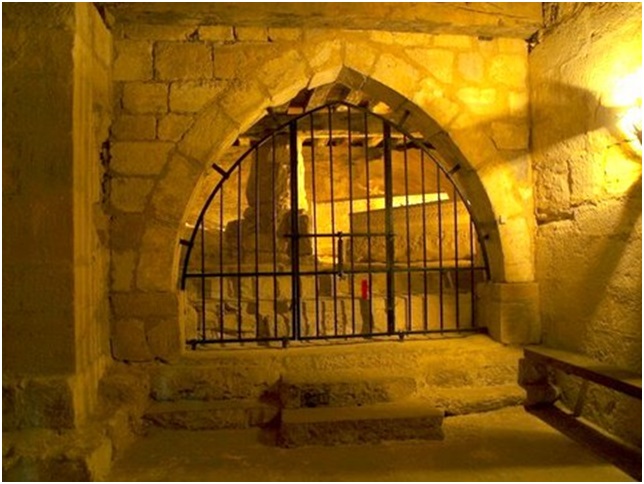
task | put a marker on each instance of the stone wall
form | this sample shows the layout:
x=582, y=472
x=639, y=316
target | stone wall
x=185, y=92
x=588, y=193
x=57, y=111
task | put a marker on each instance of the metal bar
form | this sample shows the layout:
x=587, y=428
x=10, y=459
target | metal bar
x=221, y=265
x=386, y=336
x=314, y=231
x=351, y=276
x=257, y=219
x=220, y=170
x=424, y=215
x=440, y=250
x=295, y=240
x=456, y=258
x=389, y=229
x=329, y=271
x=472, y=280
x=409, y=305
x=333, y=251
x=239, y=249
x=370, y=276
x=334, y=235
x=274, y=231
x=203, y=281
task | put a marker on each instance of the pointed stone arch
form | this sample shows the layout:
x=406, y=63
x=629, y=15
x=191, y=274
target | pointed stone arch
x=241, y=103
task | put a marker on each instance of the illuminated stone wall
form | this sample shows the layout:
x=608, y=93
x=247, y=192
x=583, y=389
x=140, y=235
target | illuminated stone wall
x=588, y=193
x=185, y=93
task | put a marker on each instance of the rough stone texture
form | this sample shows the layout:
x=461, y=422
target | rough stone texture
x=130, y=194
x=142, y=98
x=190, y=97
x=588, y=243
x=318, y=391
x=197, y=415
x=139, y=158
x=132, y=60
x=358, y=425
x=511, y=311
x=182, y=61
x=134, y=128
x=173, y=126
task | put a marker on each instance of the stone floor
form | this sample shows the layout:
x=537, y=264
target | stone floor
x=504, y=445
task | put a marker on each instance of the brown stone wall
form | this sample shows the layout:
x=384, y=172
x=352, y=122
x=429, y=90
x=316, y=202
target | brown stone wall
x=588, y=194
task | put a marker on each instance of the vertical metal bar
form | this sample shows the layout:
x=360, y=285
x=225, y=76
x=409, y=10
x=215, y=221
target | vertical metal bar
x=203, y=281
x=333, y=251
x=409, y=308
x=295, y=231
x=424, y=214
x=274, y=229
x=389, y=230
x=257, y=219
x=315, y=229
x=352, y=277
x=472, y=299
x=456, y=255
x=369, y=268
x=440, y=247
x=222, y=279
x=239, y=249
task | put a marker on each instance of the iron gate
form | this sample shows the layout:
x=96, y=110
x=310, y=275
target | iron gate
x=337, y=224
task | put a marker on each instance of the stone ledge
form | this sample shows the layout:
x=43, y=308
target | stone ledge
x=202, y=415
x=355, y=425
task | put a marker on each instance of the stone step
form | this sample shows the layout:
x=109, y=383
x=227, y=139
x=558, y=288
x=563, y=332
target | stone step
x=355, y=425
x=342, y=390
x=211, y=415
x=462, y=401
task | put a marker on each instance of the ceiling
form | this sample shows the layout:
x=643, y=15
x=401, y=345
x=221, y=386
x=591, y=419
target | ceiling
x=489, y=19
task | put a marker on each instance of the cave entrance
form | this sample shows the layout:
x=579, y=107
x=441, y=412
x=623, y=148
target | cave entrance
x=336, y=223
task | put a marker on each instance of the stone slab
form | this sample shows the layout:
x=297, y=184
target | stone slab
x=317, y=391
x=355, y=425
x=200, y=415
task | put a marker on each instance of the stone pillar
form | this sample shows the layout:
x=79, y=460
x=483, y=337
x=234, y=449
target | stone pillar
x=510, y=310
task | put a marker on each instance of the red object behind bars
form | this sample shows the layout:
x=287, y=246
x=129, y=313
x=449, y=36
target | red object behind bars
x=365, y=289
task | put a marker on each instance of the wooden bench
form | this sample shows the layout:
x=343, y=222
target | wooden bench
x=533, y=375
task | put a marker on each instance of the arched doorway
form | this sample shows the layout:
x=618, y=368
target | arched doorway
x=335, y=223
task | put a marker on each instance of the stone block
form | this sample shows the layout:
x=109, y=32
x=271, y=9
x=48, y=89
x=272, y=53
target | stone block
x=510, y=311
x=123, y=265
x=510, y=136
x=141, y=31
x=199, y=415
x=172, y=193
x=164, y=339
x=360, y=56
x=357, y=425
x=200, y=143
x=471, y=66
x=182, y=61
x=216, y=33
x=227, y=59
x=251, y=34
x=278, y=34
x=453, y=41
x=155, y=271
x=143, y=305
x=438, y=62
x=139, y=157
x=510, y=70
x=173, y=126
x=145, y=97
x=127, y=230
x=129, y=341
x=335, y=391
x=397, y=74
x=477, y=100
x=190, y=97
x=132, y=60
x=512, y=46
x=130, y=194
x=134, y=128
x=519, y=102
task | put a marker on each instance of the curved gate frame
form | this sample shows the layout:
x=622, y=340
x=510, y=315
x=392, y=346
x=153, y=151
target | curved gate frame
x=291, y=125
